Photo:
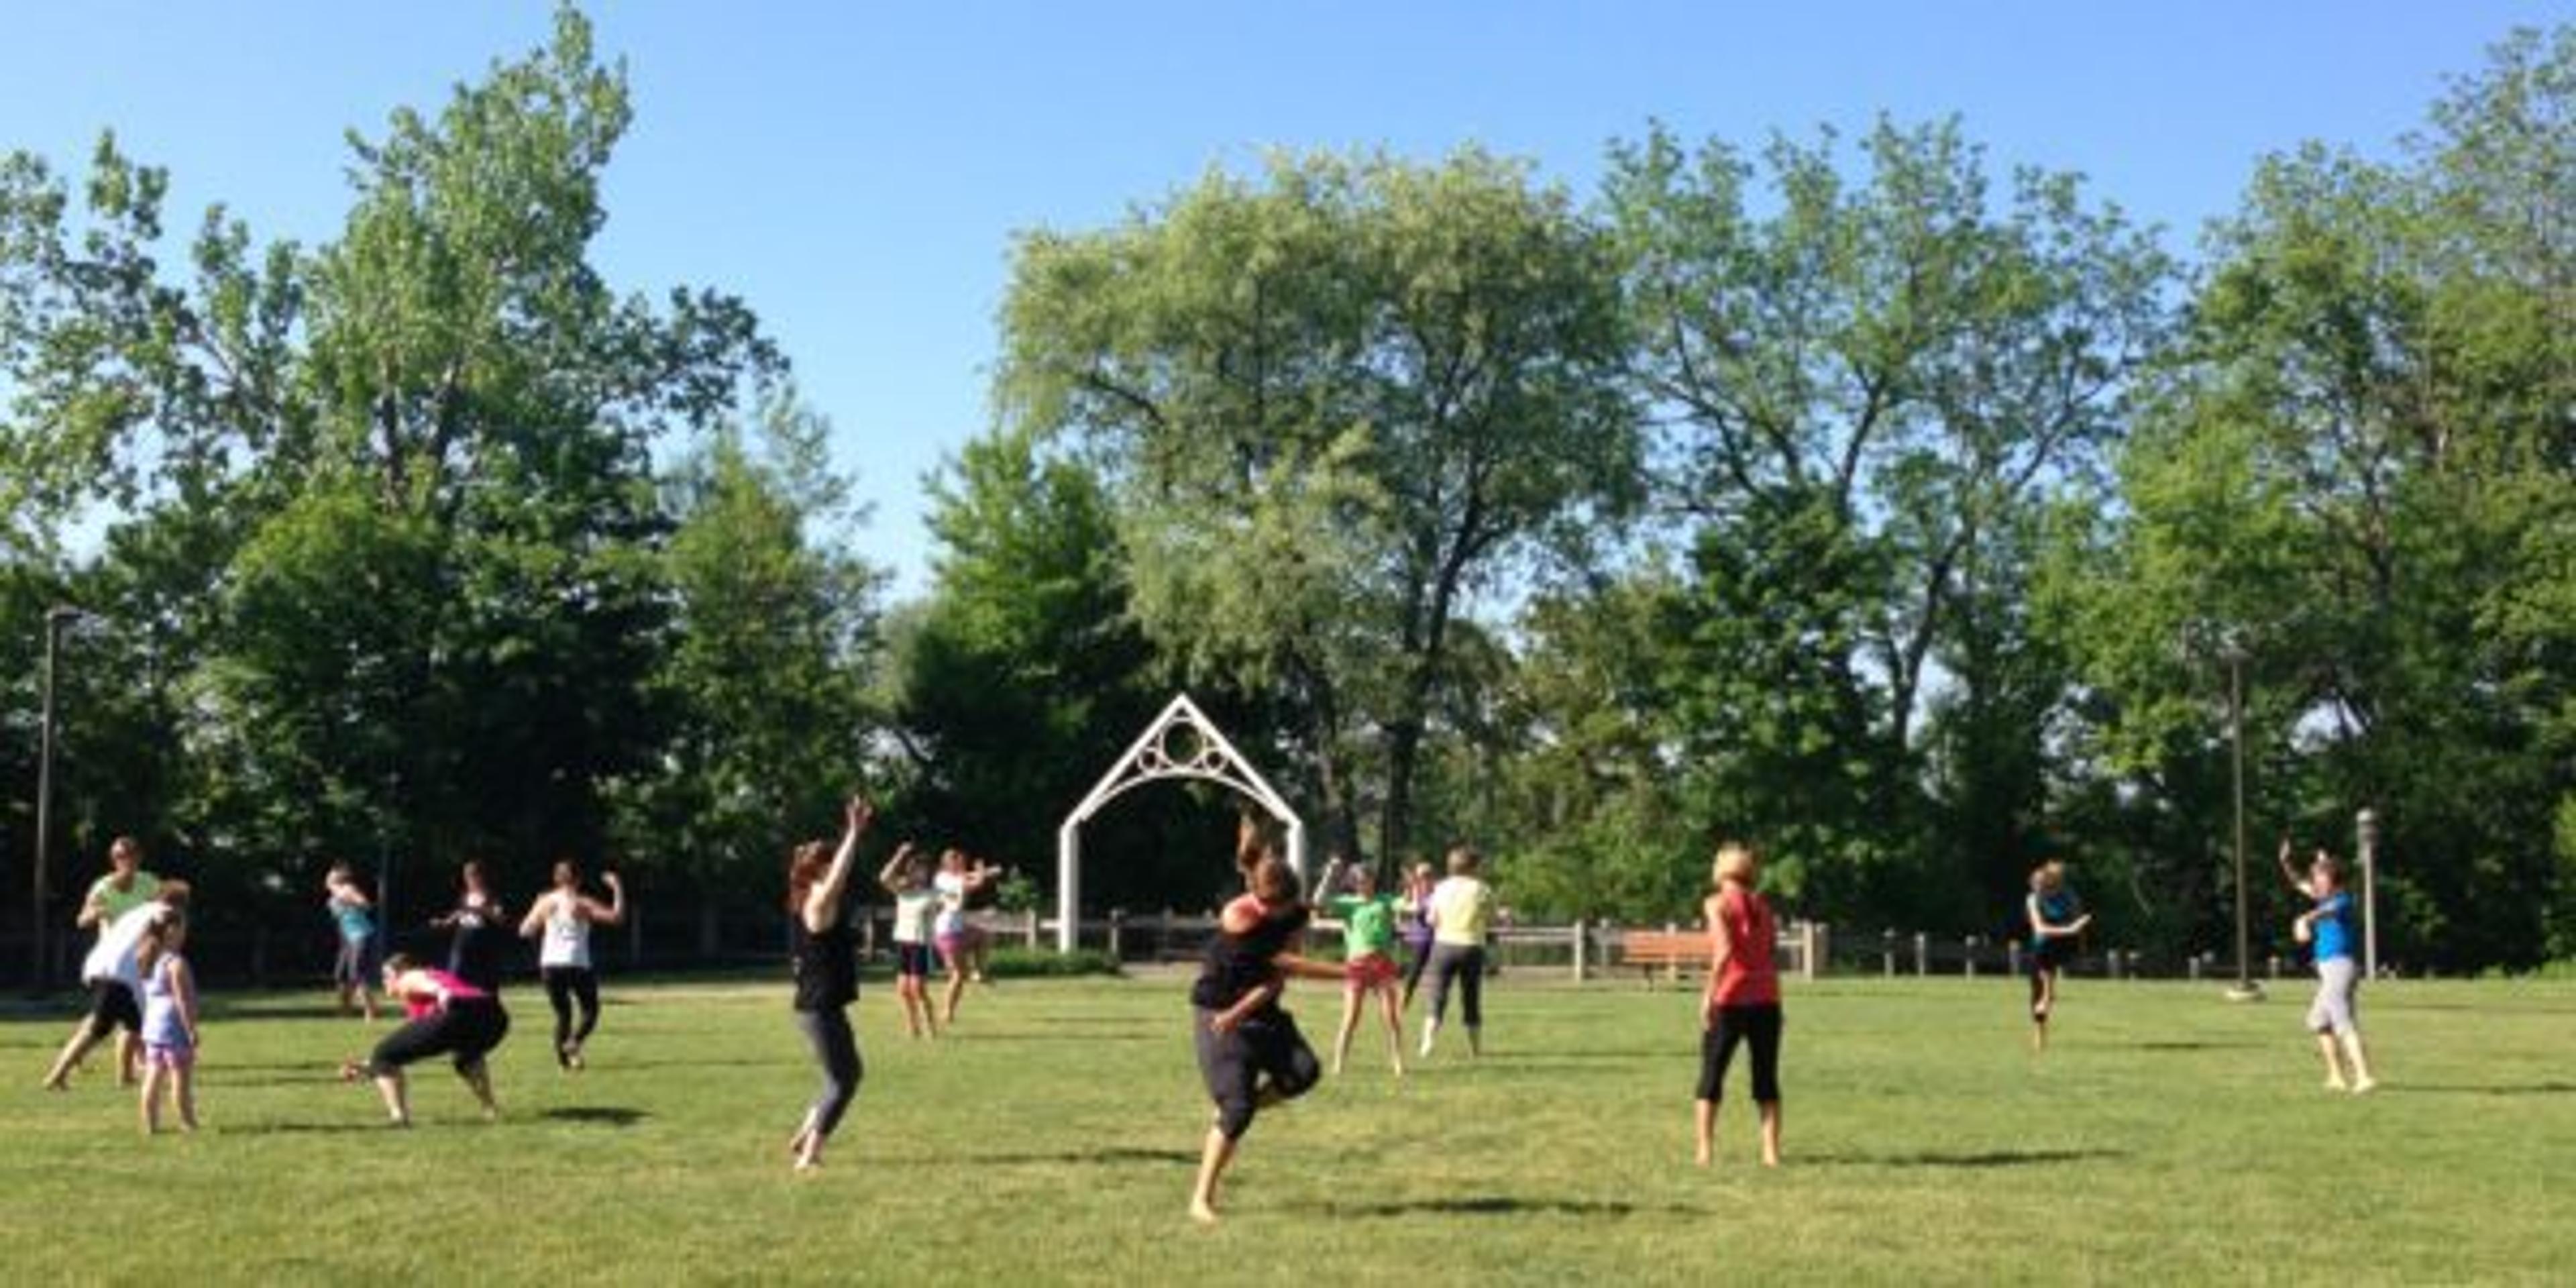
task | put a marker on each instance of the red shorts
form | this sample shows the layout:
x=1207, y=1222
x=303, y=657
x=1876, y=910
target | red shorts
x=1374, y=970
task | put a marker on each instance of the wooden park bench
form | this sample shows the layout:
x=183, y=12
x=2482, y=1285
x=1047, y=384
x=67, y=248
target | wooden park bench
x=1671, y=950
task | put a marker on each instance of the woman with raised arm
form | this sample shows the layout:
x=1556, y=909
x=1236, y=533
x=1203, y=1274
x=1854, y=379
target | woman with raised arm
x=1250, y=1052
x=448, y=1017
x=564, y=915
x=1416, y=907
x=2056, y=917
x=479, y=931
x=960, y=942
x=827, y=975
x=2334, y=1016
x=353, y=914
x=1368, y=957
x=906, y=876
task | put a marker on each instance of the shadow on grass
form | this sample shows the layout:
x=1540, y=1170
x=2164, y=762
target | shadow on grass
x=595, y=1115
x=375, y=1126
x=1966, y=1160
x=2521, y=1089
x=1502, y=1205
x=1154, y=1035
x=1110, y=1157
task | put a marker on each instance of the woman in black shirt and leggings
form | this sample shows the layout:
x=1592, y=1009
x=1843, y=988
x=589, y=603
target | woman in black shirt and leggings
x=827, y=977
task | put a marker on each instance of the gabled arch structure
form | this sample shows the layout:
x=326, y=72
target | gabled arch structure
x=1180, y=743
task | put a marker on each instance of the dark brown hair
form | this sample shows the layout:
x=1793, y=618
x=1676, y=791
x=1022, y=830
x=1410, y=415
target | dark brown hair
x=805, y=866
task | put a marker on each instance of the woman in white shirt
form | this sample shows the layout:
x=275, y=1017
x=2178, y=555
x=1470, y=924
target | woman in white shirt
x=564, y=916
x=960, y=942
x=916, y=906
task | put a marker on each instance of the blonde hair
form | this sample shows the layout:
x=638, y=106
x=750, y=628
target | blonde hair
x=1463, y=860
x=1736, y=862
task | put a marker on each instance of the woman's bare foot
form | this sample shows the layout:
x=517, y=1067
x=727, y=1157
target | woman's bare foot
x=1202, y=1212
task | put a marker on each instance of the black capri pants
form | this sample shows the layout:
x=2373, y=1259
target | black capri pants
x=1264, y=1059
x=564, y=986
x=1757, y=1026
x=1464, y=963
x=112, y=1007
x=836, y=1048
x=466, y=1029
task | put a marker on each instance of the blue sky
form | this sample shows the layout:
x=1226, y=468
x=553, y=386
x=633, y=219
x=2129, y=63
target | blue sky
x=856, y=170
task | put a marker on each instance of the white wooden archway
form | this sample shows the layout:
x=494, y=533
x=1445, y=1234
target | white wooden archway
x=1151, y=759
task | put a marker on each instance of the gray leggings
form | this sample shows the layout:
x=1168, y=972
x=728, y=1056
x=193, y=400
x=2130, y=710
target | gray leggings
x=2338, y=980
x=837, y=1049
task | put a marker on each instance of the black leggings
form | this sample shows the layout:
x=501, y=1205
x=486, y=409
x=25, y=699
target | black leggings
x=836, y=1048
x=1758, y=1025
x=1264, y=1059
x=1464, y=963
x=565, y=984
x=1416, y=956
x=465, y=1029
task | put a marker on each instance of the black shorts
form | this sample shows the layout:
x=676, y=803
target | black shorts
x=112, y=1006
x=912, y=959
x=2052, y=954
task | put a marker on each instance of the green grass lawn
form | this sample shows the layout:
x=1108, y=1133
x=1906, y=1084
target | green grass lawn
x=2168, y=1138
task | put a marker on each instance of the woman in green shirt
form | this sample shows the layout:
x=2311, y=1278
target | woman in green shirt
x=1368, y=953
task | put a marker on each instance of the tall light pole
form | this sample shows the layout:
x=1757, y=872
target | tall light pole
x=2366, y=833
x=56, y=618
x=2246, y=990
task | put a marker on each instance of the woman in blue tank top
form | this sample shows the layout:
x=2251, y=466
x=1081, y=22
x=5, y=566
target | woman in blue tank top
x=2334, y=1016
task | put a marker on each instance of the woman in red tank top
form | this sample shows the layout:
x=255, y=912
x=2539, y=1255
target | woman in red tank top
x=1742, y=1005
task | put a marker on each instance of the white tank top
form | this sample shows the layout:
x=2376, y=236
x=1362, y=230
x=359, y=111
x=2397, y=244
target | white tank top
x=567, y=941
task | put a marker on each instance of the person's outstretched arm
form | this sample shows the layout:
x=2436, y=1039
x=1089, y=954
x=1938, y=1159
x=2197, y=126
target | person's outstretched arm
x=614, y=911
x=894, y=867
x=2291, y=874
x=536, y=919
x=823, y=902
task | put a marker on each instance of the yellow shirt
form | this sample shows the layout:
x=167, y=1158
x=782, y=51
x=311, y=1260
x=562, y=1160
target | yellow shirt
x=1460, y=909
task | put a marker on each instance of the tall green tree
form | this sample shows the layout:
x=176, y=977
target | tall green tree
x=1871, y=378
x=1338, y=401
x=2360, y=469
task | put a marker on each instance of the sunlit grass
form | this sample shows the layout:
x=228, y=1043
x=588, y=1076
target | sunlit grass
x=2168, y=1138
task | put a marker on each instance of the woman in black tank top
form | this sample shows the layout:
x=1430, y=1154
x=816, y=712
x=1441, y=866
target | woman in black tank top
x=827, y=978
x=1250, y=1053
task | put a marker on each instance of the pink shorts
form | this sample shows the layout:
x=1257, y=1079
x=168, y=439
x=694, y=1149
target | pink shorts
x=169, y=1057
x=966, y=940
x=1373, y=970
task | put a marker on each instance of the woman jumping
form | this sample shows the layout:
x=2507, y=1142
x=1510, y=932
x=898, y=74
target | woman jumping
x=449, y=1017
x=1368, y=955
x=827, y=977
x=1250, y=1052
x=564, y=915
x=2056, y=917
x=2334, y=1016
x=1742, y=1004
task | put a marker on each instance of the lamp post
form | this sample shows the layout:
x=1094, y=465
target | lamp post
x=56, y=618
x=2245, y=990
x=2365, y=826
